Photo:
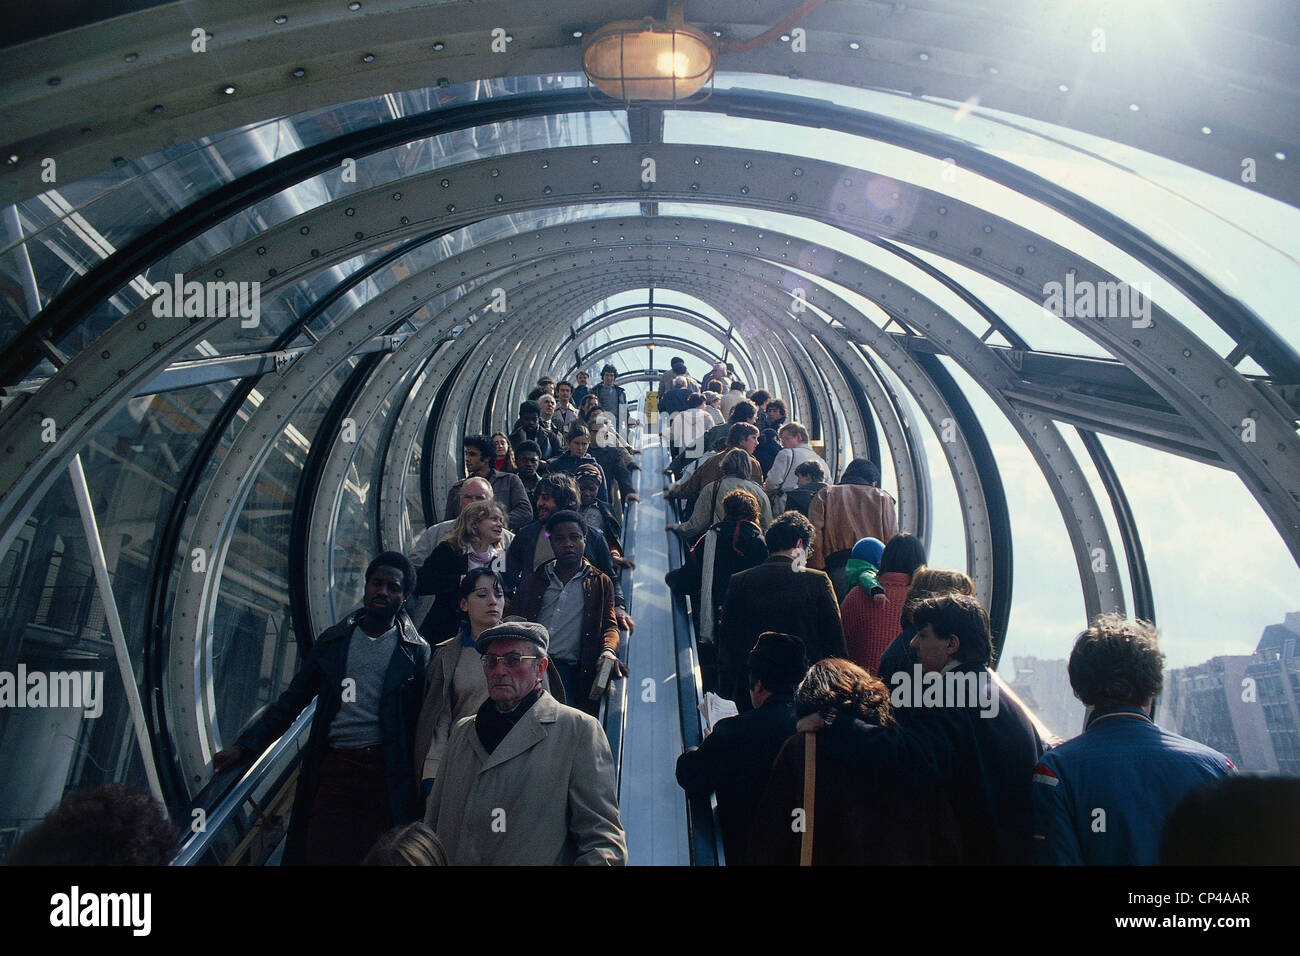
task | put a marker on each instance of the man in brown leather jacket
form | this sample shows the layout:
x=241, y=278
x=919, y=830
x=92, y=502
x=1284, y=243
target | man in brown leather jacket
x=575, y=602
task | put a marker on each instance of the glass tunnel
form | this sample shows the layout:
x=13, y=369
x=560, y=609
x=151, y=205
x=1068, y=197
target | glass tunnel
x=266, y=264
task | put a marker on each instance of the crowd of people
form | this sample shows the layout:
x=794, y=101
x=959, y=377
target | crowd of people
x=871, y=725
x=456, y=723
x=471, y=737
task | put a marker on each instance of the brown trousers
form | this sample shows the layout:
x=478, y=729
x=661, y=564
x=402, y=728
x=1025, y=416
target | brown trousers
x=350, y=811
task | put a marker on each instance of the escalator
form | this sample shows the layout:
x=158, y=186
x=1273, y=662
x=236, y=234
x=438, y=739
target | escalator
x=240, y=818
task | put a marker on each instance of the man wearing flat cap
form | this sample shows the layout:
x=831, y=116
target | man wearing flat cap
x=735, y=760
x=526, y=781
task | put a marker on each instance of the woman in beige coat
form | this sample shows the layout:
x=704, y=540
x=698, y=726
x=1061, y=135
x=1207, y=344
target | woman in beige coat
x=708, y=509
x=456, y=687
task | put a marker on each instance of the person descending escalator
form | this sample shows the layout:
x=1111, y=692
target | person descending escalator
x=367, y=674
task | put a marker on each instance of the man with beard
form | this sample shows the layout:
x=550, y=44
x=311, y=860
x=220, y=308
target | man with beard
x=367, y=673
x=506, y=486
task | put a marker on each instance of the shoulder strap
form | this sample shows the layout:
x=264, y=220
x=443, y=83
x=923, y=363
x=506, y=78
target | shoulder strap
x=809, y=796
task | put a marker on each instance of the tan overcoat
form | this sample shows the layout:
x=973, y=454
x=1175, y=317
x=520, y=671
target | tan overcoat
x=545, y=797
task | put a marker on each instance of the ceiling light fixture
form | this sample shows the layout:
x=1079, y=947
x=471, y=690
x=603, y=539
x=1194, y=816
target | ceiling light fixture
x=650, y=60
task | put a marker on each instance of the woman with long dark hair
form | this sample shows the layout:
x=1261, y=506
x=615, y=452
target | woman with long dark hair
x=503, y=456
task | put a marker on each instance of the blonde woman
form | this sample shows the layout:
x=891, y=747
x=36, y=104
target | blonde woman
x=478, y=539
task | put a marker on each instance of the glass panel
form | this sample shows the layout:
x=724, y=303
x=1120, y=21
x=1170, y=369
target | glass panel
x=386, y=166
x=254, y=648
x=1105, y=508
x=883, y=159
x=947, y=530
x=138, y=194
x=355, y=534
x=1245, y=242
x=1036, y=325
x=1047, y=604
x=53, y=619
x=1225, y=616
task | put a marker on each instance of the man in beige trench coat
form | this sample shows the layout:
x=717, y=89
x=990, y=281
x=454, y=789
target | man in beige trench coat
x=526, y=780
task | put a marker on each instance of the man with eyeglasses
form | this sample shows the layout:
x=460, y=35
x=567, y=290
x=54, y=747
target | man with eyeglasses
x=526, y=781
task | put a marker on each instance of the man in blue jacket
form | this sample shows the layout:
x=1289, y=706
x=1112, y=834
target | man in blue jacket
x=367, y=673
x=1103, y=797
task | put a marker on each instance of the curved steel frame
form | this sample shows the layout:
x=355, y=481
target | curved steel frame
x=1179, y=382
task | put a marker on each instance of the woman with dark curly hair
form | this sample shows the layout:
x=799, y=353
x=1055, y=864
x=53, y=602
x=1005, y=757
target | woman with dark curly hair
x=877, y=806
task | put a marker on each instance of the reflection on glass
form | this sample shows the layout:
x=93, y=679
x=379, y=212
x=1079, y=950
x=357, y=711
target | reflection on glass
x=254, y=648
x=52, y=616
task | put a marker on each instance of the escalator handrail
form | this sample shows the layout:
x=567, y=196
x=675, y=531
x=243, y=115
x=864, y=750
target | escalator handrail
x=223, y=808
x=613, y=706
x=701, y=818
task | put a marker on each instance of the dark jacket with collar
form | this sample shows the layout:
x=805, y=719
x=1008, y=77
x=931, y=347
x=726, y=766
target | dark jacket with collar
x=610, y=525
x=992, y=761
x=766, y=452
x=321, y=675
x=507, y=489
x=674, y=400
x=734, y=762
x=775, y=597
x=599, y=627
x=545, y=438
x=801, y=498
x=611, y=459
